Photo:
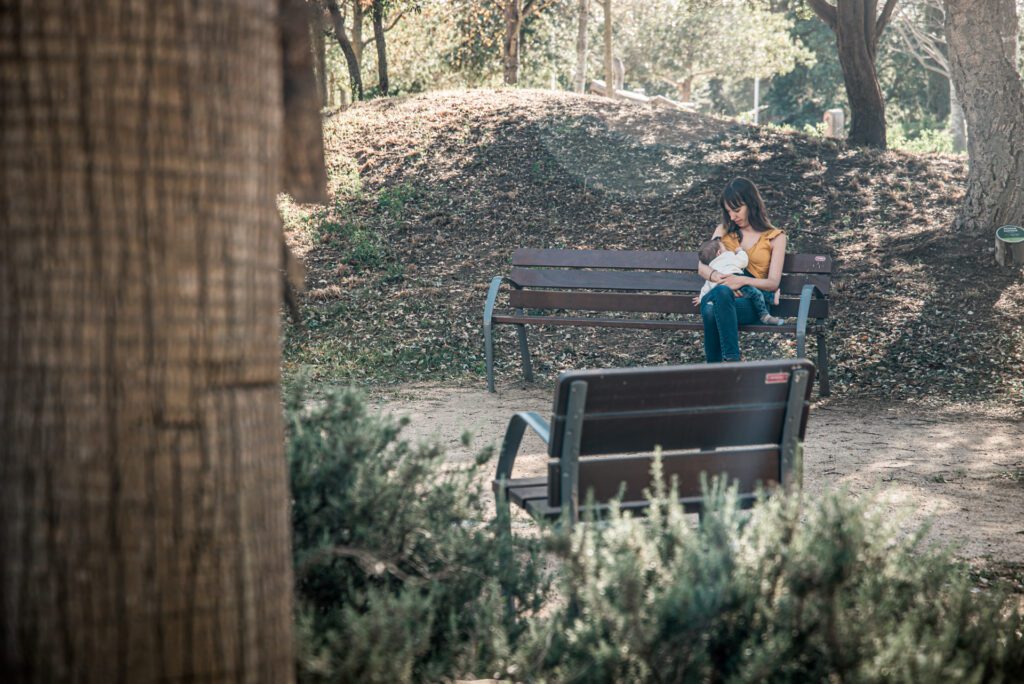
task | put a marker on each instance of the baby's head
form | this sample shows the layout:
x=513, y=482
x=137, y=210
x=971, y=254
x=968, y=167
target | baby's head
x=709, y=250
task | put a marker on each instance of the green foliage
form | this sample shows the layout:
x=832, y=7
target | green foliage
x=393, y=199
x=799, y=98
x=666, y=41
x=903, y=136
x=398, y=574
x=399, y=578
x=831, y=591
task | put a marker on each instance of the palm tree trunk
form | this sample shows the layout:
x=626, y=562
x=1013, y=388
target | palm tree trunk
x=143, y=493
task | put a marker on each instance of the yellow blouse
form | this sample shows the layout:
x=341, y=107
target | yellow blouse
x=760, y=254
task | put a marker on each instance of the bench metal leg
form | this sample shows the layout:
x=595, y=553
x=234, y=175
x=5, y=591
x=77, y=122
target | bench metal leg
x=492, y=296
x=823, y=390
x=524, y=350
x=801, y=320
x=570, y=457
x=790, y=467
x=489, y=356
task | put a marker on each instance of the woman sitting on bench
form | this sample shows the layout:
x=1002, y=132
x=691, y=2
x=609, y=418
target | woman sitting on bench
x=744, y=224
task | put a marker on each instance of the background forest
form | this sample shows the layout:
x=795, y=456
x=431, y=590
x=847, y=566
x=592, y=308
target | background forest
x=704, y=52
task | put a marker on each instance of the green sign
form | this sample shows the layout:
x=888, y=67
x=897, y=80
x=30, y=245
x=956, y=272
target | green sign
x=1010, y=234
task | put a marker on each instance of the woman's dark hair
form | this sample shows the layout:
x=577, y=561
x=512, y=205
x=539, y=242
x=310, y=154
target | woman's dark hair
x=740, y=191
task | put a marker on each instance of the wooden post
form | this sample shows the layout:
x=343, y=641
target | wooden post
x=834, y=120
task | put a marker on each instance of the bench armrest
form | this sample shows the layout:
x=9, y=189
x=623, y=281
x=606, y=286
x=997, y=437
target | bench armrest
x=492, y=295
x=514, y=436
x=806, y=293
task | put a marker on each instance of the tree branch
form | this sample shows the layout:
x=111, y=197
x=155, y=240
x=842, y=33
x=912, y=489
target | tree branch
x=825, y=12
x=883, y=18
x=394, y=21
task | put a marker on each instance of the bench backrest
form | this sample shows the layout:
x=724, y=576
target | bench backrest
x=744, y=419
x=637, y=281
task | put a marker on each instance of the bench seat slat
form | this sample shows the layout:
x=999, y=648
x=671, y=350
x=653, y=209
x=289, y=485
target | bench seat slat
x=633, y=259
x=586, y=322
x=653, y=303
x=609, y=435
x=705, y=387
x=642, y=280
x=541, y=508
x=607, y=476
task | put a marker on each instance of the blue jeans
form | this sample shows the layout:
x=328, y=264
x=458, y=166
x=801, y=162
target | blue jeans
x=759, y=298
x=723, y=314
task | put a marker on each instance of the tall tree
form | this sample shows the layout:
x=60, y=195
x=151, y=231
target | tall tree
x=579, y=80
x=349, y=46
x=377, y=13
x=680, y=43
x=516, y=13
x=609, y=67
x=143, y=494
x=922, y=34
x=983, y=56
x=858, y=25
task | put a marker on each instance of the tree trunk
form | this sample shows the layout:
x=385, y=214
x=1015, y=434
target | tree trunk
x=510, y=48
x=382, y=53
x=357, y=32
x=347, y=48
x=684, y=89
x=990, y=90
x=320, y=54
x=580, y=78
x=143, y=495
x=609, y=70
x=857, y=29
x=957, y=125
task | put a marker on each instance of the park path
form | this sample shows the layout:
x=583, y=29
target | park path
x=960, y=468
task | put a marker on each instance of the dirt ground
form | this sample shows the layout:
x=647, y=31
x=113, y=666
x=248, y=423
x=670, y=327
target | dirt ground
x=959, y=467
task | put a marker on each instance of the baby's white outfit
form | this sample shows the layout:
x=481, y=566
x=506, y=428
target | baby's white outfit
x=731, y=263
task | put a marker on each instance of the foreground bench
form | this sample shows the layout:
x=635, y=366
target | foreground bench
x=570, y=286
x=744, y=419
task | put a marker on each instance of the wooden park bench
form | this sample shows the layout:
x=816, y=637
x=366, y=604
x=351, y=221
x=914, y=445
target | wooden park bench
x=744, y=419
x=580, y=287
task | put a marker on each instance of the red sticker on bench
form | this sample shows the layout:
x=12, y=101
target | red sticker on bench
x=775, y=378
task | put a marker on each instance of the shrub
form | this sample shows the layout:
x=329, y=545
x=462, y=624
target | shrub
x=398, y=575
x=400, y=572
x=834, y=591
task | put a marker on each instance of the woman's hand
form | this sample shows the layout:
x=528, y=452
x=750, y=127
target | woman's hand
x=734, y=282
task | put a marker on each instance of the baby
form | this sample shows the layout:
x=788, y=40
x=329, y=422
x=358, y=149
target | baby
x=715, y=255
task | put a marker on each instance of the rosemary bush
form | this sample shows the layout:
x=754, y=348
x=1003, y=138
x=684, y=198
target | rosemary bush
x=400, y=571
x=399, y=567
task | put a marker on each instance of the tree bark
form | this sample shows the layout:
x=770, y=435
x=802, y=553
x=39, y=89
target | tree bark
x=357, y=32
x=382, y=53
x=143, y=495
x=992, y=94
x=510, y=48
x=347, y=48
x=580, y=78
x=320, y=54
x=857, y=29
x=957, y=125
x=609, y=70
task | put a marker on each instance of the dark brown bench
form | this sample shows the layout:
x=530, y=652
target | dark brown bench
x=580, y=287
x=745, y=420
